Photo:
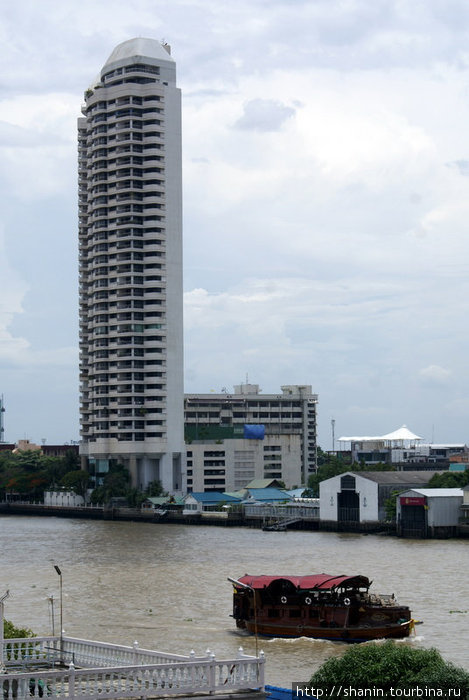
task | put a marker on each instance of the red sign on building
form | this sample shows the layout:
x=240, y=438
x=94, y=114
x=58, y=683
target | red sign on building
x=412, y=500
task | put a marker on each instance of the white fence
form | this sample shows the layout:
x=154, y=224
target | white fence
x=114, y=671
x=301, y=509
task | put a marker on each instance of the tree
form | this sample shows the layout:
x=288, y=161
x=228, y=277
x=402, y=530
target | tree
x=77, y=481
x=154, y=489
x=449, y=480
x=389, y=666
x=390, y=505
x=29, y=473
x=329, y=465
x=115, y=483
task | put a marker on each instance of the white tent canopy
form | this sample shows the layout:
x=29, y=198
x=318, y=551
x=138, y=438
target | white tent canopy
x=401, y=435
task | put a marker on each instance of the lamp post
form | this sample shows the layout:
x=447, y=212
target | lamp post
x=61, y=609
x=2, y=600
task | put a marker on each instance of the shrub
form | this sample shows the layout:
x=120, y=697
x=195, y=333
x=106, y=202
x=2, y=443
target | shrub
x=12, y=632
x=389, y=665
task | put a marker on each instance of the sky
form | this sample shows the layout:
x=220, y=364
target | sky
x=326, y=209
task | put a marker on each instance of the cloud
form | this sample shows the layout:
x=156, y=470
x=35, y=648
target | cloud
x=264, y=115
x=434, y=374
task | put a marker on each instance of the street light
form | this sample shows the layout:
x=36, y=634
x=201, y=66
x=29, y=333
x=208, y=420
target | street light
x=61, y=609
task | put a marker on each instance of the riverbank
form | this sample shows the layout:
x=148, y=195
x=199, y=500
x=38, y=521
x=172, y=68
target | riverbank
x=215, y=518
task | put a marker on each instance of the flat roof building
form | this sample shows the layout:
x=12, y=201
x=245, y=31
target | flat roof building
x=234, y=438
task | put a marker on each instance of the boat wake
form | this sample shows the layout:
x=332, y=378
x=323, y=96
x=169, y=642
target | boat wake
x=301, y=640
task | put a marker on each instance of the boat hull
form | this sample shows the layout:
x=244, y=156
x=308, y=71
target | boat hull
x=344, y=634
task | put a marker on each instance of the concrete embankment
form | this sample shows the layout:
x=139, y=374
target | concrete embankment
x=221, y=519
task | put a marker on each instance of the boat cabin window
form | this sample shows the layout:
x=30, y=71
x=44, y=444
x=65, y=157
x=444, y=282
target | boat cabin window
x=313, y=613
x=273, y=612
x=295, y=613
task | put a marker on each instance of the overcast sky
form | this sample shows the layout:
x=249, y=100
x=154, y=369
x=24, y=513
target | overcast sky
x=326, y=180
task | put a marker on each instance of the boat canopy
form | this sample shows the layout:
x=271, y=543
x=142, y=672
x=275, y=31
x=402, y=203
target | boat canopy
x=322, y=582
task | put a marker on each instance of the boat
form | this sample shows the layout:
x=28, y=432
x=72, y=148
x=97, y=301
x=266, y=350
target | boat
x=320, y=606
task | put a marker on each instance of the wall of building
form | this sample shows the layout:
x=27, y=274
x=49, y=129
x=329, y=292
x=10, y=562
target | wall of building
x=365, y=488
x=229, y=465
x=444, y=510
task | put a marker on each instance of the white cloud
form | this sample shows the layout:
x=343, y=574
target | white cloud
x=264, y=115
x=435, y=374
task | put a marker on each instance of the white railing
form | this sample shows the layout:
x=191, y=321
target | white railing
x=84, y=653
x=135, y=673
x=19, y=652
x=300, y=510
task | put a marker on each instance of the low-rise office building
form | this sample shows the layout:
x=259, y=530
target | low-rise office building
x=234, y=438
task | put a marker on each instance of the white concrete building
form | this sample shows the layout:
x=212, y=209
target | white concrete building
x=255, y=436
x=130, y=242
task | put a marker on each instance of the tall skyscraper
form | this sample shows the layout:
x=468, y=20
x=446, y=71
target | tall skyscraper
x=130, y=243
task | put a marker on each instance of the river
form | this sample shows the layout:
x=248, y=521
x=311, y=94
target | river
x=166, y=585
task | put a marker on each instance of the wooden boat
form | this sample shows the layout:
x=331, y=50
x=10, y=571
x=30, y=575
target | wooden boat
x=319, y=606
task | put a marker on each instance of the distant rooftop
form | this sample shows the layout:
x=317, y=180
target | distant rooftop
x=410, y=477
x=439, y=493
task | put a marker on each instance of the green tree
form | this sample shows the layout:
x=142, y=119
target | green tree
x=390, y=505
x=77, y=481
x=386, y=666
x=154, y=489
x=29, y=472
x=115, y=483
x=449, y=480
x=328, y=466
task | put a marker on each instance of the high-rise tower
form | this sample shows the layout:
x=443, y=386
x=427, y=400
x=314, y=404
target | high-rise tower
x=130, y=241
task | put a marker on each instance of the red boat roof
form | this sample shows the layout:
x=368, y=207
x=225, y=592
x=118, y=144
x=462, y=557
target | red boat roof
x=323, y=582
